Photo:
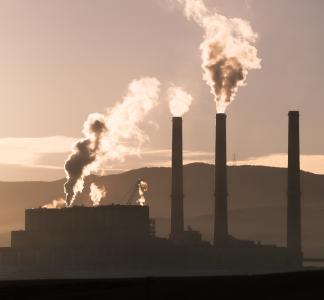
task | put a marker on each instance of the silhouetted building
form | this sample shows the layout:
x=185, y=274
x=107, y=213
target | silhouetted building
x=293, y=190
x=81, y=226
x=220, y=217
x=177, y=222
x=116, y=240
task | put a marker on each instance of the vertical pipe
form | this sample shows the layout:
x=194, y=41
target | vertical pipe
x=294, y=195
x=220, y=218
x=177, y=222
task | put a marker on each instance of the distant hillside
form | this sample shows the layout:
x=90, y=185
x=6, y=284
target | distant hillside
x=257, y=201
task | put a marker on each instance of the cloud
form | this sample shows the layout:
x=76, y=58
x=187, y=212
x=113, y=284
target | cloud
x=308, y=163
x=167, y=153
x=28, y=151
x=42, y=158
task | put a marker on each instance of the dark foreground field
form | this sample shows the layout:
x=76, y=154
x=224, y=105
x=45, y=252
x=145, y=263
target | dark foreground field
x=303, y=285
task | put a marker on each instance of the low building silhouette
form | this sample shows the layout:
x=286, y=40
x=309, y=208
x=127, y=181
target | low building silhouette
x=117, y=240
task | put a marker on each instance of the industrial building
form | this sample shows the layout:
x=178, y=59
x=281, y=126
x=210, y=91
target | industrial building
x=119, y=240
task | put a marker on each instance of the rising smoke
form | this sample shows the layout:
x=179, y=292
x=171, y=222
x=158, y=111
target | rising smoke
x=97, y=193
x=142, y=188
x=125, y=137
x=58, y=203
x=179, y=101
x=227, y=51
x=84, y=156
x=111, y=136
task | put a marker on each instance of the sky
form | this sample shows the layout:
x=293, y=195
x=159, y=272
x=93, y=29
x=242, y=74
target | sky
x=61, y=60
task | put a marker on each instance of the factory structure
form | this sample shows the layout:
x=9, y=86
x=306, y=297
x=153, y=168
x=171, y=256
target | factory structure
x=119, y=240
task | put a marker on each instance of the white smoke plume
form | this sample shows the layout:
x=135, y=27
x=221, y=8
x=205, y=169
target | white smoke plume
x=227, y=51
x=179, y=101
x=111, y=136
x=97, y=193
x=125, y=137
x=58, y=203
x=83, y=159
x=142, y=188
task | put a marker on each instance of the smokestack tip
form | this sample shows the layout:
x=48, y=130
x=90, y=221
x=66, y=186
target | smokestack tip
x=220, y=116
x=293, y=113
x=177, y=120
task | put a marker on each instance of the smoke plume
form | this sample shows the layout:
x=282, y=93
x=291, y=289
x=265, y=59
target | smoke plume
x=58, y=203
x=97, y=193
x=179, y=101
x=142, y=188
x=83, y=158
x=227, y=51
x=125, y=137
x=111, y=136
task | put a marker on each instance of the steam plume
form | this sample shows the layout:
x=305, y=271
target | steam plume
x=125, y=137
x=111, y=136
x=59, y=203
x=97, y=193
x=83, y=158
x=142, y=188
x=227, y=51
x=179, y=101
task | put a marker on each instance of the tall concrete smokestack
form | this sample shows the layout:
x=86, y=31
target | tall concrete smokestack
x=177, y=223
x=220, y=221
x=294, y=194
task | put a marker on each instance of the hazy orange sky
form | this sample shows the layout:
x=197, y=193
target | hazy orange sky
x=61, y=60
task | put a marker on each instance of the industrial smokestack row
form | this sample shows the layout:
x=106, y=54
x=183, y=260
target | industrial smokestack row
x=177, y=222
x=221, y=211
x=220, y=217
x=294, y=194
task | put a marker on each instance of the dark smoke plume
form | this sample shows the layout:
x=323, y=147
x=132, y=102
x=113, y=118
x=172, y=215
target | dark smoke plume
x=85, y=152
x=123, y=138
x=227, y=51
x=226, y=74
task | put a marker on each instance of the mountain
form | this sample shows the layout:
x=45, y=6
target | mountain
x=257, y=201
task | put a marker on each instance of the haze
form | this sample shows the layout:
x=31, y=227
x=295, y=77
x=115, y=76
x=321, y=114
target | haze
x=61, y=60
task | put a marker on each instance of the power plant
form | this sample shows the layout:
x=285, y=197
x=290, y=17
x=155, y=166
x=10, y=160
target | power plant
x=119, y=240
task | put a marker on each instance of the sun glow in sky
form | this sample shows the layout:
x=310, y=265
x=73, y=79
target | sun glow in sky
x=61, y=60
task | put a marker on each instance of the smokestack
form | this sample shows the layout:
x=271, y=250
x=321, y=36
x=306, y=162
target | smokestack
x=294, y=194
x=177, y=223
x=220, y=221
